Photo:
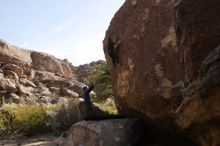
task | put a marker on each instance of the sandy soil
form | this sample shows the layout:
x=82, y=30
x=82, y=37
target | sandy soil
x=42, y=140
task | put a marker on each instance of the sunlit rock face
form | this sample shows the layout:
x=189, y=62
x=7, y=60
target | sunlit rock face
x=149, y=75
x=164, y=61
x=30, y=76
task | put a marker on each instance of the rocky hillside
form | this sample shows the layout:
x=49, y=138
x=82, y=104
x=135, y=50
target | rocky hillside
x=163, y=57
x=30, y=76
x=82, y=72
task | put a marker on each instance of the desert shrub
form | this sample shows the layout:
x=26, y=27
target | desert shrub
x=7, y=123
x=64, y=115
x=32, y=119
x=109, y=106
x=25, y=119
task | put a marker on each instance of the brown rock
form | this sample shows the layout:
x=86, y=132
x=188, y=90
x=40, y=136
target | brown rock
x=82, y=72
x=26, y=91
x=26, y=82
x=78, y=88
x=98, y=133
x=3, y=44
x=197, y=33
x=159, y=53
x=15, y=98
x=23, y=76
x=1, y=75
x=44, y=91
x=52, y=80
x=69, y=93
x=147, y=74
x=12, y=67
x=44, y=99
x=54, y=90
x=42, y=61
x=16, y=56
x=8, y=85
x=11, y=74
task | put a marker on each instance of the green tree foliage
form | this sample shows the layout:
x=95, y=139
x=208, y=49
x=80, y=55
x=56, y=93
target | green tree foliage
x=101, y=77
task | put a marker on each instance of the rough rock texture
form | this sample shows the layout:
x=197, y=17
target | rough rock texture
x=28, y=75
x=118, y=132
x=69, y=93
x=83, y=71
x=49, y=63
x=164, y=63
x=149, y=73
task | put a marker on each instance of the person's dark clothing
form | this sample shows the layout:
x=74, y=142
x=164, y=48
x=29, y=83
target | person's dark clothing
x=86, y=91
x=87, y=100
x=113, y=52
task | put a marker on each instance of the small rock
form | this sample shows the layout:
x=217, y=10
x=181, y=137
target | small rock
x=63, y=101
x=69, y=93
x=44, y=99
x=54, y=90
x=8, y=85
x=26, y=82
x=23, y=76
x=11, y=74
x=45, y=91
x=15, y=98
x=77, y=88
x=1, y=75
x=25, y=90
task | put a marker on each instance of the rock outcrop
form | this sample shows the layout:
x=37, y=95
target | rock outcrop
x=83, y=71
x=45, y=62
x=164, y=63
x=115, y=132
x=28, y=76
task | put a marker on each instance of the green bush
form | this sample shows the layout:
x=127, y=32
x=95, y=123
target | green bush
x=25, y=119
x=63, y=116
x=32, y=119
x=101, y=76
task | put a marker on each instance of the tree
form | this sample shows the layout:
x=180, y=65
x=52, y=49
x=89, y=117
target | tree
x=100, y=75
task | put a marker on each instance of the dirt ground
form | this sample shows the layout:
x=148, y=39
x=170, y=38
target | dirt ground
x=42, y=140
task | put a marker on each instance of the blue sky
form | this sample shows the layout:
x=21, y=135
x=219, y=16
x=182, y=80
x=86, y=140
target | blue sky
x=72, y=29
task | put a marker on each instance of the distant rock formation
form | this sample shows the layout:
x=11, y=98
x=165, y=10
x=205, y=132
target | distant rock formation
x=168, y=67
x=30, y=76
x=82, y=72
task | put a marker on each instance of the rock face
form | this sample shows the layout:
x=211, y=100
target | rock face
x=49, y=63
x=149, y=72
x=118, y=132
x=83, y=71
x=28, y=76
x=163, y=58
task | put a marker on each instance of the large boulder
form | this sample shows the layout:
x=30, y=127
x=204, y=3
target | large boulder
x=147, y=73
x=115, y=132
x=157, y=52
x=17, y=59
x=43, y=61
